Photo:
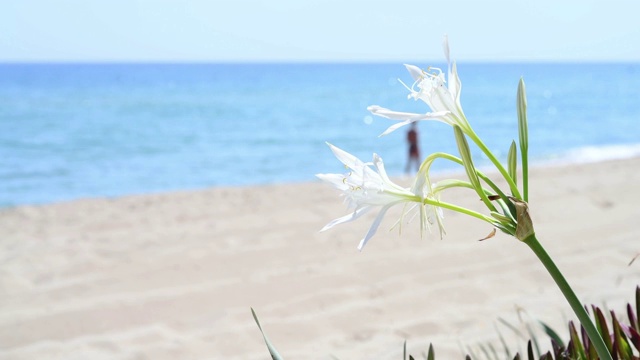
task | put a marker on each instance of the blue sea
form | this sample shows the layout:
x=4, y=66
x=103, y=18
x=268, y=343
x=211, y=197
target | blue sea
x=71, y=131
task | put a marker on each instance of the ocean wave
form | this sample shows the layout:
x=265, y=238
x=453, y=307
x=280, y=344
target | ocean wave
x=592, y=154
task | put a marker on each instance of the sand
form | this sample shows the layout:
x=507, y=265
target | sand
x=173, y=276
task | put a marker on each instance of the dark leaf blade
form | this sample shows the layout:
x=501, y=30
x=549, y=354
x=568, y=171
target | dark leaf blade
x=635, y=338
x=638, y=308
x=601, y=324
x=431, y=355
x=632, y=317
x=577, y=348
x=552, y=334
x=620, y=339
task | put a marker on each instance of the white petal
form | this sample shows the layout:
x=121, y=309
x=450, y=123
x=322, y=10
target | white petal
x=445, y=47
x=374, y=226
x=416, y=72
x=394, y=127
x=454, y=84
x=349, y=217
x=399, y=115
x=335, y=179
x=347, y=159
x=379, y=164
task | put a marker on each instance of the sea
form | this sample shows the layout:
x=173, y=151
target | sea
x=70, y=131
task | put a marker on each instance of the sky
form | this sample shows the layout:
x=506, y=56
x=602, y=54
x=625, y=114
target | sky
x=318, y=31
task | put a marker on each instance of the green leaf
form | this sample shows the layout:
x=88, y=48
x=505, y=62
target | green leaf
x=632, y=317
x=534, y=340
x=504, y=344
x=484, y=351
x=620, y=339
x=530, y=351
x=523, y=133
x=601, y=324
x=512, y=160
x=431, y=355
x=578, y=348
x=638, y=306
x=272, y=349
x=404, y=350
x=552, y=334
x=467, y=162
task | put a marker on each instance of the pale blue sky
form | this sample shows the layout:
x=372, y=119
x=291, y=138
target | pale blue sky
x=330, y=30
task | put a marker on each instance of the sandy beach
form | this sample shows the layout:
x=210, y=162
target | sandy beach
x=173, y=276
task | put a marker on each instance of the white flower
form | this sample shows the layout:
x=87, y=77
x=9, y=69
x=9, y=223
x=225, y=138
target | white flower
x=365, y=189
x=431, y=87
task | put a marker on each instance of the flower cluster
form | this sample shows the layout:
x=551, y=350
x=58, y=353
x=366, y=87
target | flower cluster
x=367, y=186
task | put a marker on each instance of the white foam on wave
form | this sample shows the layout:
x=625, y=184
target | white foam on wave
x=592, y=154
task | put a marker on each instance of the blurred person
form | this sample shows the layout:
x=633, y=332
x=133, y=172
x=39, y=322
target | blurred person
x=414, y=149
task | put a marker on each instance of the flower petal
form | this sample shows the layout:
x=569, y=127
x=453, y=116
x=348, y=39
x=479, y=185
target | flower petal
x=454, y=84
x=347, y=159
x=399, y=115
x=349, y=217
x=445, y=47
x=416, y=73
x=374, y=226
x=337, y=180
x=395, y=127
x=394, y=115
x=406, y=117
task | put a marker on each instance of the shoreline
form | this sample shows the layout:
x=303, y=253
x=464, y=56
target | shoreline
x=173, y=275
x=537, y=165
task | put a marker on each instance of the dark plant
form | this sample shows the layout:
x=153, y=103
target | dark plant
x=621, y=335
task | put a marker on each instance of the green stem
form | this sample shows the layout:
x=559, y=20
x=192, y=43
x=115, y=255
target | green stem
x=525, y=175
x=571, y=297
x=459, y=209
x=501, y=169
x=482, y=176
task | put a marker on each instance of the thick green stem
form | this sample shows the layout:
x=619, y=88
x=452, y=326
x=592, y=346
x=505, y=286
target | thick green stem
x=571, y=297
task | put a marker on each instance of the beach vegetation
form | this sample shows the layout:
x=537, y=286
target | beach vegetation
x=621, y=334
x=507, y=209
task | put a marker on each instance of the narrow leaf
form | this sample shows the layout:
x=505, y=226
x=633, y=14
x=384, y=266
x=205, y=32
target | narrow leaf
x=552, y=334
x=620, y=339
x=533, y=338
x=578, y=349
x=512, y=161
x=523, y=133
x=272, y=349
x=404, y=351
x=632, y=317
x=638, y=307
x=431, y=355
x=467, y=162
x=504, y=344
x=530, y=351
x=484, y=351
x=634, y=337
x=601, y=324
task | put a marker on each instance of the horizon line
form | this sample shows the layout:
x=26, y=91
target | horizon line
x=304, y=62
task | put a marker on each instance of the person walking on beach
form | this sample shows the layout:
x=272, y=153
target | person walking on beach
x=414, y=150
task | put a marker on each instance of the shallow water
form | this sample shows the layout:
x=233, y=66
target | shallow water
x=84, y=130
